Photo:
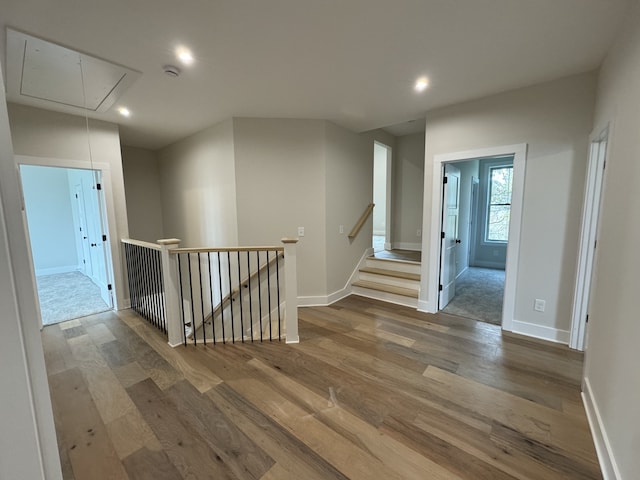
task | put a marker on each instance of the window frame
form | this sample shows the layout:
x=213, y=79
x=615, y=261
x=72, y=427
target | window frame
x=487, y=208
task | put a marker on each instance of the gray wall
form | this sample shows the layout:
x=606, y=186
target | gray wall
x=468, y=170
x=408, y=187
x=28, y=447
x=49, y=210
x=198, y=188
x=58, y=139
x=486, y=255
x=554, y=119
x=142, y=187
x=612, y=353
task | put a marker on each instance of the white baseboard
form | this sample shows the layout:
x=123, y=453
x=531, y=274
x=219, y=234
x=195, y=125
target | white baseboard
x=486, y=264
x=463, y=270
x=539, y=331
x=607, y=461
x=324, y=300
x=387, y=246
x=56, y=270
x=416, y=247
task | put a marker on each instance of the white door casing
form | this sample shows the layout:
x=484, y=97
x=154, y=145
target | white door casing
x=588, y=236
x=430, y=270
x=449, y=239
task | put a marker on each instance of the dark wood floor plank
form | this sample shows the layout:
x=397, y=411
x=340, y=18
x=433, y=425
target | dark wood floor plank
x=239, y=452
x=186, y=449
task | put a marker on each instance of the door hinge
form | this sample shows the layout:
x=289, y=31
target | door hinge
x=444, y=180
x=595, y=243
x=604, y=165
x=98, y=186
x=109, y=287
x=439, y=288
x=76, y=195
x=442, y=235
x=104, y=238
x=84, y=261
x=587, y=319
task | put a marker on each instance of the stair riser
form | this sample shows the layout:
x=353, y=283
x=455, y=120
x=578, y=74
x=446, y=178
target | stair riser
x=398, y=282
x=390, y=265
x=386, y=297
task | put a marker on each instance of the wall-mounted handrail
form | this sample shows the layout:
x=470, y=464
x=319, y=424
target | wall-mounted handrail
x=359, y=224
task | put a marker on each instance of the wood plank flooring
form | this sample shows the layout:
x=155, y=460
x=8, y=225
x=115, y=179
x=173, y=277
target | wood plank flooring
x=373, y=391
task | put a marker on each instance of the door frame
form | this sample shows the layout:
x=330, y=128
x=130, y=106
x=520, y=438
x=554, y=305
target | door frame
x=114, y=267
x=587, y=253
x=519, y=152
x=443, y=241
x=388, y=193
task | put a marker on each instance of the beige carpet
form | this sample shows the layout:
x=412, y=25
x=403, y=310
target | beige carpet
x=65, y=296
x=479, y=293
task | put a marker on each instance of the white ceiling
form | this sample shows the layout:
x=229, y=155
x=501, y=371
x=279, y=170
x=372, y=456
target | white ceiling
x=350, y=61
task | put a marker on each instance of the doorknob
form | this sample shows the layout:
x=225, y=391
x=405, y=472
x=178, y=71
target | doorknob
x=457, y=240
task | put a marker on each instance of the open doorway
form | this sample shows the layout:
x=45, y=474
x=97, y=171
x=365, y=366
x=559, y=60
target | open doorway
x=381, y=197
x=476, y=212
x=69, y=241
x=487, y=231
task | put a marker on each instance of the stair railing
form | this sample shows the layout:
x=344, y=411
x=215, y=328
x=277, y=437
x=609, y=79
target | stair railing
x=361, y=221
x=230, y=294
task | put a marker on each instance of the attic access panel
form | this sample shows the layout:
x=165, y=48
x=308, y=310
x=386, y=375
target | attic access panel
x=45, y=71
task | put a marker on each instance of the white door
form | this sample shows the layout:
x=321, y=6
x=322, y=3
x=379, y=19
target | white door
x=98, y=246
x=450, y=241
x=83, y=230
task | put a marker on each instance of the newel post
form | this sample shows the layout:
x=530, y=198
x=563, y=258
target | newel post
x=175, y=329
x=291, y=290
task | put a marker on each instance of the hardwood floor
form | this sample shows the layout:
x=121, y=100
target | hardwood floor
x=373, y=391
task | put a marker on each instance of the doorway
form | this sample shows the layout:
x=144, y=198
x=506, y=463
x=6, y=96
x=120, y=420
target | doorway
x=382, y=155
x=69, y=241
x=475, y=218
x=490, y=233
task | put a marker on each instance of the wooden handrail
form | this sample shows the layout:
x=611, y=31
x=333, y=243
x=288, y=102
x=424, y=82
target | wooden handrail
x=360, y=223
x=226, y=249
x=140, y=243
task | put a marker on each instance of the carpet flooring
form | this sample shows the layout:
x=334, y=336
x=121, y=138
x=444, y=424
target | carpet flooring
x=66, y=296
x=479, y=293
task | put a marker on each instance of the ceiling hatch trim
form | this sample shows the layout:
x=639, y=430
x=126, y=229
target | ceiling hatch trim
x=45, y=73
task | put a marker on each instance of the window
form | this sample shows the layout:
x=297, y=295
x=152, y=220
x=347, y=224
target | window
x=499, y=204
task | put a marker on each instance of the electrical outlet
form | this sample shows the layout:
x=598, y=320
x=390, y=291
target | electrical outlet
x=418, y=233
x=301, y=231
x=341, y=229
x=539, y=305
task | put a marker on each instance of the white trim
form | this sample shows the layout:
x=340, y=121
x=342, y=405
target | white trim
x=588, y=234
x=324, y=300
x=606, y=458
x=423, y=306
x=462, y=272
x=388, y=191
x=126, y=304
x=387, y=246
x=114, y=264
x=484, y=264
x=429, y=284
x=40, y=272
x=416, y=247
x=540, y=331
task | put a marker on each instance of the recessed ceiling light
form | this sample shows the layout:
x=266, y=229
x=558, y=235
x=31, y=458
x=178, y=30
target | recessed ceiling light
x=421, y=84
x=124, y=111
x=184, y=55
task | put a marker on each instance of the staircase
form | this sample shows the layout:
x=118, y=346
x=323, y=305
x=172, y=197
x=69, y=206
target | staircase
x=395, y=281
